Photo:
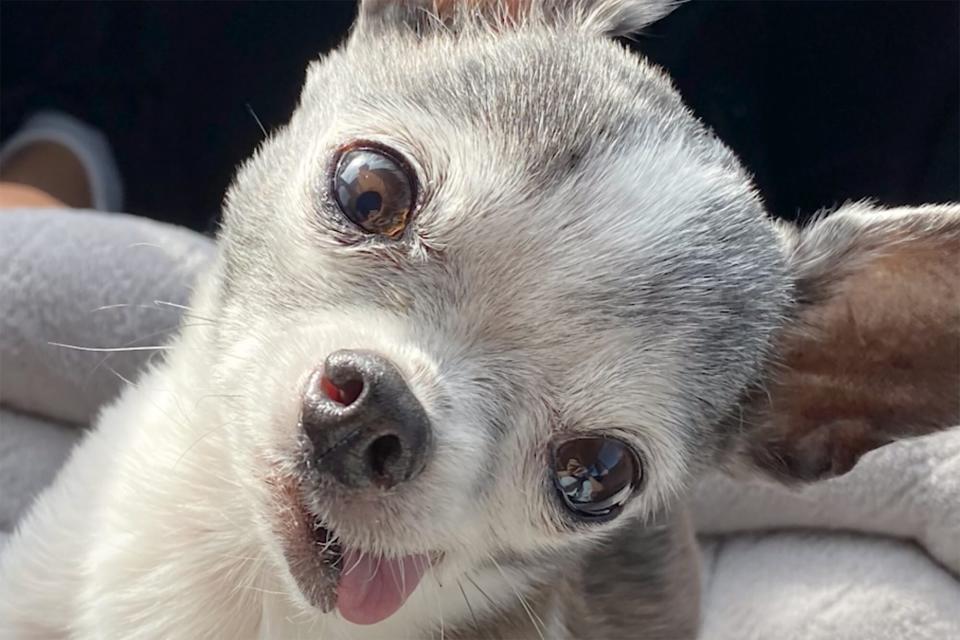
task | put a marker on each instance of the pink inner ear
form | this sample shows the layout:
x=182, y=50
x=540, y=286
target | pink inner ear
x=879, y=359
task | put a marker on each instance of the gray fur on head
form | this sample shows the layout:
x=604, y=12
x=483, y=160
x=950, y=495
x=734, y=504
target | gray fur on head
x=588, y=258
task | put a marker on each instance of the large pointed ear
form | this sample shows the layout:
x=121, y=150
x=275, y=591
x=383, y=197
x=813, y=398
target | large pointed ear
x=609, y=17
x=872, y=353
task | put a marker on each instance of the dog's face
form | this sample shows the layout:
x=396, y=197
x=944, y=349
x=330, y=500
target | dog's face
x=490, y=295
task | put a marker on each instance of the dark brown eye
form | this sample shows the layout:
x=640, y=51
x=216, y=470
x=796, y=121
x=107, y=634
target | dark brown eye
x=375, y=190
x=595, y=476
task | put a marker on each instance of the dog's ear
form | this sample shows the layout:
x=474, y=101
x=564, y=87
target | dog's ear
x=610, y=17
x=872, y=353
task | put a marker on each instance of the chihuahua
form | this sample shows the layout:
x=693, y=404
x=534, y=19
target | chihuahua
x=480, y=316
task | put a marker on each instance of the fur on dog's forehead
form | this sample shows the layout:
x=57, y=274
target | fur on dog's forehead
x=544, y=97
x=576, y=218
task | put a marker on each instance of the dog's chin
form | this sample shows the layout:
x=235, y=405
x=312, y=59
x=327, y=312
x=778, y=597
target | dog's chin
x=361, y=587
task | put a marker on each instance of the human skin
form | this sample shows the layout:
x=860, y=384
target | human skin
x=44, y=174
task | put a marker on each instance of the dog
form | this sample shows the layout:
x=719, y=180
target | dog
x=481, y=314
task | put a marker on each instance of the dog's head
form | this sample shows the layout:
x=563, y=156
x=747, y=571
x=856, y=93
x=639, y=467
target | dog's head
x=494, y=292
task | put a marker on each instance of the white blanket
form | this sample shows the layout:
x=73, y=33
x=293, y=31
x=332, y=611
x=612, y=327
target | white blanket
x=872, y=555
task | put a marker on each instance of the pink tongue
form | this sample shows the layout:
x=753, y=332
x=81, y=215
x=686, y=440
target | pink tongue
x=372, y=589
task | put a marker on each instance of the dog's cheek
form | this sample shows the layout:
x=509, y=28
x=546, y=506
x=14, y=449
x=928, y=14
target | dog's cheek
x=258, y=399
x=455, y=476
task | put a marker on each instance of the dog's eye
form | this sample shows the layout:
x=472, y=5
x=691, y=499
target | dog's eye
x=375, y=190
x=595, y=476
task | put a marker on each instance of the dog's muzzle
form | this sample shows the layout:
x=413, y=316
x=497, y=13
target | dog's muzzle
x=365, y=425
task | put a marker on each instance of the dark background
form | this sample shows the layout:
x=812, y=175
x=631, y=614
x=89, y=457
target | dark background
x=823, y=101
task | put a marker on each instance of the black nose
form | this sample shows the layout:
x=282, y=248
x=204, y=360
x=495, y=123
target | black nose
x=364, y=423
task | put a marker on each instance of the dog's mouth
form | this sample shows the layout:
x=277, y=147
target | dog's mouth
x=370, y=588
x=362, y=587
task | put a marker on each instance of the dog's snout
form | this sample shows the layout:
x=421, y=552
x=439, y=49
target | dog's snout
x=364, y=423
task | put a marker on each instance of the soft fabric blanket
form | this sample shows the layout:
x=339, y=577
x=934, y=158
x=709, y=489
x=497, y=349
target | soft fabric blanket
x=872, y=555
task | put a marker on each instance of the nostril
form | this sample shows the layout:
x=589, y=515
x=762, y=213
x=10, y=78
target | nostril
x=345, y=393
x=381, y=455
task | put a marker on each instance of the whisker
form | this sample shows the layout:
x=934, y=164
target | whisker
x=161, y=332
x=393, y=573
x=355, y=565
x=473, y=615
x=196, y=442
x=476, y=586
x=523, y=601
x=152, y=307
x=255, y=117
x=167, y=303
x=122, y=377
x=121, y=305
x=108, y=349
x=433, y=574
x=189, y=310
x=223, y=396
